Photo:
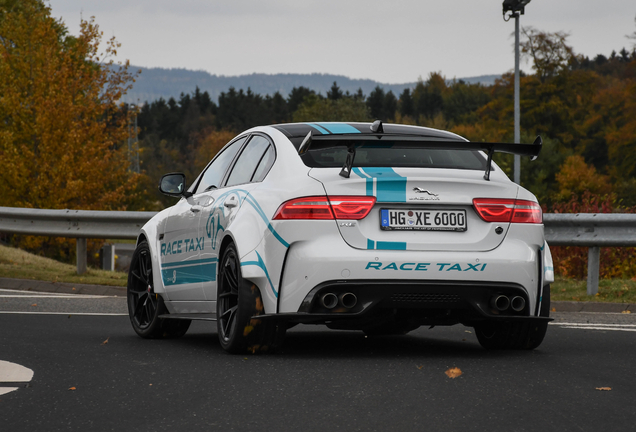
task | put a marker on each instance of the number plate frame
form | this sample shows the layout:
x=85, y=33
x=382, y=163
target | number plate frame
x=422, y=222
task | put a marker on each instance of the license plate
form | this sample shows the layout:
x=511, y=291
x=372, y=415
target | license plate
x=423, y=220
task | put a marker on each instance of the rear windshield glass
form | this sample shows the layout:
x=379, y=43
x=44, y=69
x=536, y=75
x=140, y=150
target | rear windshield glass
x=395, y=154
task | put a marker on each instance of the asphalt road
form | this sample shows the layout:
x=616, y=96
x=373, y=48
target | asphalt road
x=92, y=373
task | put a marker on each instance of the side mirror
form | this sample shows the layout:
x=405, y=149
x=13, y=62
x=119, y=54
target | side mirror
x=174, y=184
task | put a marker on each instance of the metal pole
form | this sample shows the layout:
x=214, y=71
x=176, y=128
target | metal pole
x=517, y=164
x=593, y=269
x=80, y=251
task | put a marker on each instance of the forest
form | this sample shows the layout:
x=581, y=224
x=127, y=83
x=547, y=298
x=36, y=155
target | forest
x=68, y=141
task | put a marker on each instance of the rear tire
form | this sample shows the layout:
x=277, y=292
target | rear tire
x=144, y=305
x=515, y=335
x=238, y=302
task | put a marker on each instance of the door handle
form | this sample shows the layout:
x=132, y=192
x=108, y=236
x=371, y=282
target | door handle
x=196, y=208
x=231, y=202
x=208, y=202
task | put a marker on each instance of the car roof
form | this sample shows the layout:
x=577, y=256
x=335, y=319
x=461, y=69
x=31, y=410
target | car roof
x=296, y=130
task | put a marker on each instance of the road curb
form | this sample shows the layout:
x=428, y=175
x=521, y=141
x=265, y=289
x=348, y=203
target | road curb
x=61, y=287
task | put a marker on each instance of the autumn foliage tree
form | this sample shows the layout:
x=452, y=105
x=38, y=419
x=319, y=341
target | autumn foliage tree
x=61, y=129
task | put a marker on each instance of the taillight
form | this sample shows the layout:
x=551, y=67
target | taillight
x=321, y=207
x=351, y=207
x=508, y=210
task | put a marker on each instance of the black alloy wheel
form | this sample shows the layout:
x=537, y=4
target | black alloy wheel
x=238, y=304
x=144, y=305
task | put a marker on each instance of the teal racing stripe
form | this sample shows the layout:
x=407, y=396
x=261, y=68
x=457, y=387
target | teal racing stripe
x=391, y=187
x=261, y=213
x=391, y=245
x=261, y=264
x=189, y=263
x=339, y=128
x=320, y=128
x=370, y=244
x=189, y=274
x=369, y=180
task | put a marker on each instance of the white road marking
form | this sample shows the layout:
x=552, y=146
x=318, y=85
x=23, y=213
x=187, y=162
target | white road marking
x=13, y=373
x=64, y=313
x=67, y=296
x=595, y=326
x=39, y=294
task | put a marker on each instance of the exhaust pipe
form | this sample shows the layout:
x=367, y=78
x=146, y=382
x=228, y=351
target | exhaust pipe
x=500, y=302
x=348, y=300
x=517, y=303
x=329, y=300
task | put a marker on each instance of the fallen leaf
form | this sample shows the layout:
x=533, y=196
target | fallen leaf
x=73, y=288
x=34, y=304
x=72, y=388
x=603, y=388
x=553, y=310
x=420, y=367
x=106, y=341
x=453, y=372
x=149, y=384
x=466, y=331
x=626, y=311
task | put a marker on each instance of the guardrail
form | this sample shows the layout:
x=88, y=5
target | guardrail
x=79, y=224
x=592, y=230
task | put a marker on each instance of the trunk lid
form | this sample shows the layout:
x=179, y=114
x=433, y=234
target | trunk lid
x=425, y=193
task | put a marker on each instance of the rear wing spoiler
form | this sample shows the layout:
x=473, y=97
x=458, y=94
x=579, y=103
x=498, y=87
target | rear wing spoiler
x=330, y=141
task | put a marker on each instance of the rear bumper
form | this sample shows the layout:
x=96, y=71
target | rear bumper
x=421, y=302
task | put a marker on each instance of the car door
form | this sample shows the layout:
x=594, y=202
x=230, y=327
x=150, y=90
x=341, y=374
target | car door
x=227, y=201
x=182, y=269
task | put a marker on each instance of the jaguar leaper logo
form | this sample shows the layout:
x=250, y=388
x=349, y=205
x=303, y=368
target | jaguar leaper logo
x=420, y=190
x=430, y=196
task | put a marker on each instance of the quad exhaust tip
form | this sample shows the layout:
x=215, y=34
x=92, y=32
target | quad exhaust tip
x=329, y=300
x=500, y=302
x=346, y=300
x=517, y=303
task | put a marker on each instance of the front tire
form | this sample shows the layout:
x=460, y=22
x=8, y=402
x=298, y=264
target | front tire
x=144, y=305
x=238, y=301
x=515, y=335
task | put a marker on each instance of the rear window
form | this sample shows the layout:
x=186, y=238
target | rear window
x=395, y=154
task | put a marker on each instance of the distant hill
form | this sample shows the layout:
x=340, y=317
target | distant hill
x=155, y=83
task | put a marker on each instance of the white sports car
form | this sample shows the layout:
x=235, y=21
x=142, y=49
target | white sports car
x=374, y=227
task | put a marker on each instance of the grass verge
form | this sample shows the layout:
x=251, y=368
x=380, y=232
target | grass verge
x=16, y=263
x=609, y=290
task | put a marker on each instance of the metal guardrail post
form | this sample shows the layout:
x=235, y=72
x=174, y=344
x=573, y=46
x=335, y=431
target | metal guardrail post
x=80, y=251
x=108, y=257
x=593, y=269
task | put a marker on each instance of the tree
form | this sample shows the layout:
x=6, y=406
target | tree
x=375, y=103
x=549, y=51
x=406, y=103
x=633, y=35
x=334, y=93
x=344, y=109
x=61, y=129
x=296, y=97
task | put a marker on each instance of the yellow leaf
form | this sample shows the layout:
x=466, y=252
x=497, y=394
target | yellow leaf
x=604, y=388
x=72, y=388
x=626, y=311
x=453, y=372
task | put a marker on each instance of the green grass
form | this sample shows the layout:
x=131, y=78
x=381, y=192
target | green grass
x=16, y=263
x=609, y=290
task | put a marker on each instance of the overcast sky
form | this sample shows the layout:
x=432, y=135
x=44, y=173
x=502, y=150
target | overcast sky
x=391, y=41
